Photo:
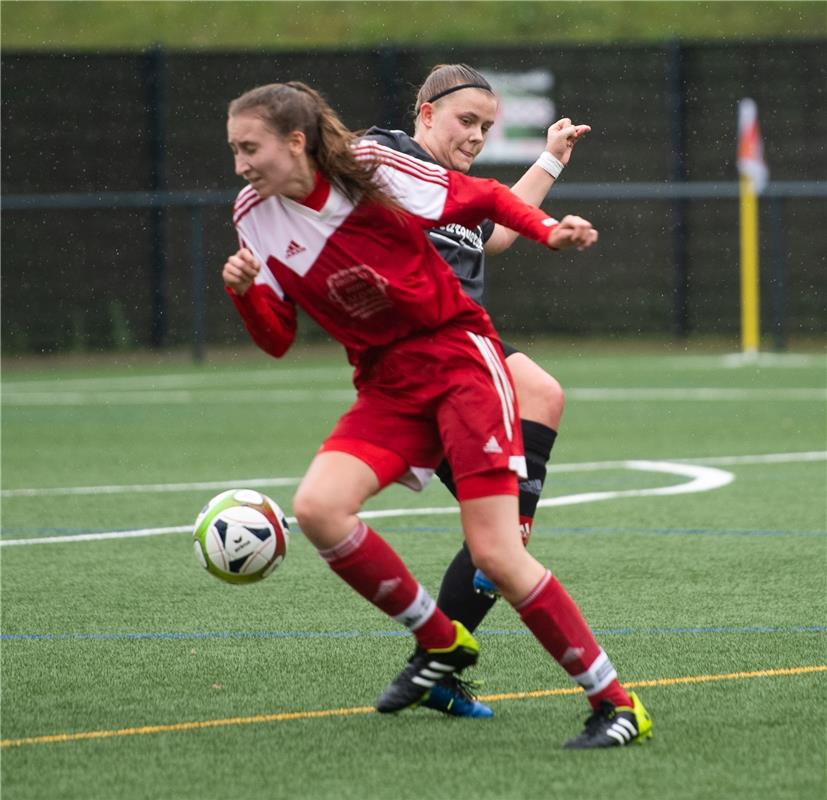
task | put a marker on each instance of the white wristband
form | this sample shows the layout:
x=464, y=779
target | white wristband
x=550, y=164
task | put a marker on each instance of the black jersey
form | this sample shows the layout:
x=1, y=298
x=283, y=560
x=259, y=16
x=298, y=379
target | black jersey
x=461, y=247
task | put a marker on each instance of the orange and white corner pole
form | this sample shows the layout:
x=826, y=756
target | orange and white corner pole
x=753, y=178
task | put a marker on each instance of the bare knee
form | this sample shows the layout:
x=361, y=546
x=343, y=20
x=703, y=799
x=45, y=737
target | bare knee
x=514, y=572
x=324, y=521
x=540, y=395
x=497, y=562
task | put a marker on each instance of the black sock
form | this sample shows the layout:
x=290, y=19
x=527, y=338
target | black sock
x=538, y=439
x=457, y=597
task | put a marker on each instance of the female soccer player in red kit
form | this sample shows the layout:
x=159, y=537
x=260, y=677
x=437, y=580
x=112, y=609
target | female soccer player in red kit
x=335, y=225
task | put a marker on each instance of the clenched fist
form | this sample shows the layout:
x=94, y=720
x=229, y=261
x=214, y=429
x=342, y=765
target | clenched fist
x=240, y=271
x=573, y=231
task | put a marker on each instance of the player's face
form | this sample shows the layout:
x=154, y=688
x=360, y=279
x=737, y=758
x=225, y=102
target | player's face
x=454, y=128
x=271, y=163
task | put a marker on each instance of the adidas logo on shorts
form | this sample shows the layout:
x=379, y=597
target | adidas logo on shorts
x=492, y=446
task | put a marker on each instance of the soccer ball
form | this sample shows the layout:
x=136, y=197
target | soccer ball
x=240, y=536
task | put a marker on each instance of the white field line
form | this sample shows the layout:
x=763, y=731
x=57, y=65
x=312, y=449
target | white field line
x=181, y=380
x=145, y=488
x=701, y=479
x=278, y=374
x=211, y=396
x=176, y=397
x=583, y=466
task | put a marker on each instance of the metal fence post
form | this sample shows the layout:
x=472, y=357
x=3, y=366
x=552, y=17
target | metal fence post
x=677, y=104
x=777, y=273
x=155, y=78
x=198, y=295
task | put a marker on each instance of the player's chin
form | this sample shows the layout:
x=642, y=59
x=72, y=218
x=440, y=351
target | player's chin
x=463, y=162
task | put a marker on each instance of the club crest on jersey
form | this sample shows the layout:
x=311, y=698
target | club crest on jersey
x=293, y=249
x=361, y=291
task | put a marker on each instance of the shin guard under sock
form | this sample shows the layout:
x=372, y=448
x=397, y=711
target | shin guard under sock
x=538, y=440
x=555, y=620
x=366, y=562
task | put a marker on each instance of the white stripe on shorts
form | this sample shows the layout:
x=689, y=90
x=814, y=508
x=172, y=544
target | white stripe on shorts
x=499, y=378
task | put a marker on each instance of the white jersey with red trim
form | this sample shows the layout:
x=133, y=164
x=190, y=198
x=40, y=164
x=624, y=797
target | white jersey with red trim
x=366, y=273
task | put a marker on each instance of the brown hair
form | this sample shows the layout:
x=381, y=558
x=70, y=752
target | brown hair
x=294, y=106
x=444, y=78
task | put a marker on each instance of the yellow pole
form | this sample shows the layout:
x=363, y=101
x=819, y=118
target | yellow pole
x=750, y=309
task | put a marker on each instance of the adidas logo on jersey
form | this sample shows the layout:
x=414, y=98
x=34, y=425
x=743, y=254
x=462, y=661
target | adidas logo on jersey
x=492, y=446
x=293, y=249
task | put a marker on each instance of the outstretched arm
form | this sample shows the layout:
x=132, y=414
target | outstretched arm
x=536, y=182
x=435, y=196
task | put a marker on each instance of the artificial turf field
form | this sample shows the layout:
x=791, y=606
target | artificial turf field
x=685, y=512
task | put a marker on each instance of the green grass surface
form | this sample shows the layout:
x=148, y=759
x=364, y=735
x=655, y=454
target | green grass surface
x=108, y=636
x=292, y=25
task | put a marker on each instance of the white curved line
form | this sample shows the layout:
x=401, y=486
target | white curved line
x=703, y=479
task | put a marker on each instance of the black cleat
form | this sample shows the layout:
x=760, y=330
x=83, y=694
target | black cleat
x=614, y=726
x=427, y=668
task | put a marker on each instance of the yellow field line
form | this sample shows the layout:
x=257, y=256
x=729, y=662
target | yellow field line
x=352, y=711
x=729, y=676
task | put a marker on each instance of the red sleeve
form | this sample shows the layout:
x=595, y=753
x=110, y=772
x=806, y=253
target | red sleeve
x=434, y=195
x=270, y=320
x=471, y=200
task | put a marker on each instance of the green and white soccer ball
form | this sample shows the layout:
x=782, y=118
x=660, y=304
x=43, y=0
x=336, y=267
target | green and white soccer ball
x=240, y=536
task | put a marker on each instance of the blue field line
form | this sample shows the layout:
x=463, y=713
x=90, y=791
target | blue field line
x=748, y=629
x=36, y=533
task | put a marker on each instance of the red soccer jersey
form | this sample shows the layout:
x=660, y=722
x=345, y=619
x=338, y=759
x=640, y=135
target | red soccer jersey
x=367, y=274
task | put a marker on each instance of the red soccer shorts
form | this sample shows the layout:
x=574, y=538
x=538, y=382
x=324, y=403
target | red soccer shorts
x=446, y=394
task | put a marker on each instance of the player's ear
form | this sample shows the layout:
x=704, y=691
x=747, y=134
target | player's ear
x=296, y=142
x=426, y=114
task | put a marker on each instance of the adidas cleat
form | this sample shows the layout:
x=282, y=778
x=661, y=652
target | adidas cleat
x=614, y=726
x=426, y=669
x=455, y=697
x=484, y=585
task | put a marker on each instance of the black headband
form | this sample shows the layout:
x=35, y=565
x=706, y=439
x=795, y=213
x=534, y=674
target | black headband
x=457, y=88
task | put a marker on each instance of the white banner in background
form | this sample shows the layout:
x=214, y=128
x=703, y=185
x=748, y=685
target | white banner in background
x=525, y=112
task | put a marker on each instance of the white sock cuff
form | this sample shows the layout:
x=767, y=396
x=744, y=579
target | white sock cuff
x=352, y=542
x=535, y=592
x=418, y=612
x=598, y=676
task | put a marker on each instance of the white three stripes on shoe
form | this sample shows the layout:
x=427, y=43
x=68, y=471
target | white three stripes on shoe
x=622, y=731
x=432, y=672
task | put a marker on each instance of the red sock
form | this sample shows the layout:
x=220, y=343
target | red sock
x=525, y=528
x=370, y=565
x=553, y=617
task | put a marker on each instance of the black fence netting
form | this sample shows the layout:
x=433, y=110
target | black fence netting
x=95, y=278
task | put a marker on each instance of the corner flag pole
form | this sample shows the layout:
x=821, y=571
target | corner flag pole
x=750, y=308
x=753, y=178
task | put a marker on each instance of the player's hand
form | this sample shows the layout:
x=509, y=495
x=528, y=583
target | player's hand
x=562, y=136
x=573, y=231
x=240, y=271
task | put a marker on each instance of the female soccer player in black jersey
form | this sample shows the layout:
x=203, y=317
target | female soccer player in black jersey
x=455, y=109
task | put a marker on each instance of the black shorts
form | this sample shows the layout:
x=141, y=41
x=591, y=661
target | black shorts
x=508, y=349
